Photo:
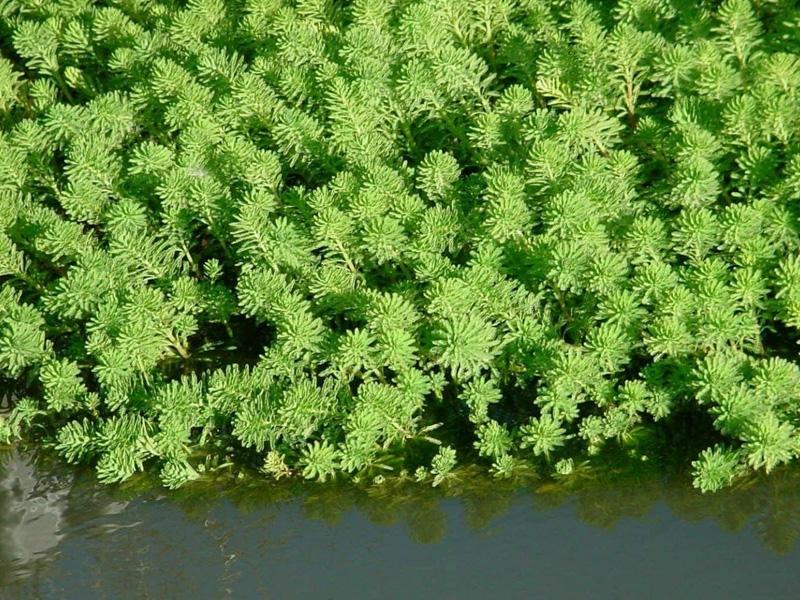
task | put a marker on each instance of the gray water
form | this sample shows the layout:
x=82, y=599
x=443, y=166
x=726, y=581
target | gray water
x=64, y=539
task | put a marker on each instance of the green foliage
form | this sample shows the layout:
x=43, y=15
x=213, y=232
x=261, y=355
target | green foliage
x=543, y=434
x=715, y=468
x=442, y=465
x=319, y=461
x=307, y=234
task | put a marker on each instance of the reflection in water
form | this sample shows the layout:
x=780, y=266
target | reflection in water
x=32, y=512
x=62, y=536
x=36, y=509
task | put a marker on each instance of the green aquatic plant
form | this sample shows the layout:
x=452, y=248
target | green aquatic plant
x=352, y=239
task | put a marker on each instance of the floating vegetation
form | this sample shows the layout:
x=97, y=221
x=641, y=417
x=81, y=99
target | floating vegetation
x=387, y=241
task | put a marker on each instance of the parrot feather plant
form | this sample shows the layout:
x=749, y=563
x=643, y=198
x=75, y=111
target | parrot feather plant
x=343, y=238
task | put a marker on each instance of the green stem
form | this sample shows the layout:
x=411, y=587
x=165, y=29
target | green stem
x=454, y=129
x=30, y=281
x=412, y=144
x=176, y=343
x=62, y=85
x=346, y=257
x=188, y=254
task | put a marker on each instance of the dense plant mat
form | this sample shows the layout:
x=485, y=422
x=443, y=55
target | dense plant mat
x=387, y=236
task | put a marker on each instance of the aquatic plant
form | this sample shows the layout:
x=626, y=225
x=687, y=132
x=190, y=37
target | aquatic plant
x=336, y=238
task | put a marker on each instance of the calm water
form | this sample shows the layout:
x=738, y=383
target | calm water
x=63, y=538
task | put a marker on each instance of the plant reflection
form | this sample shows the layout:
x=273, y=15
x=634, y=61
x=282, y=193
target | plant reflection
x=41, y=509
x=37, y=505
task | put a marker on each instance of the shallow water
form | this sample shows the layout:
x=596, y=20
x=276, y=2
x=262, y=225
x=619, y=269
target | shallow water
x=63, y=538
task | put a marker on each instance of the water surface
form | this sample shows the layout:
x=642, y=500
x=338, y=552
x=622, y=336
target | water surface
x=63, y=539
